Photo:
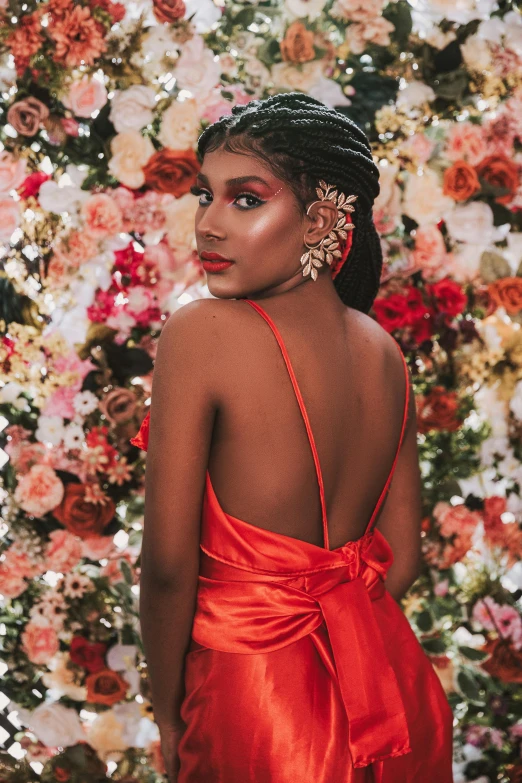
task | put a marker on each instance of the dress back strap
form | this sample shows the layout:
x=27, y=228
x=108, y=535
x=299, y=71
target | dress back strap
x=303, y=413
x=404, y=418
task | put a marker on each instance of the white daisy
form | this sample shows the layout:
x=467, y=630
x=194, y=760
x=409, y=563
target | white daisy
x=85, y=402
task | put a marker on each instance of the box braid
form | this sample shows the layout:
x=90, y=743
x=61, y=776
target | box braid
x=303, y=141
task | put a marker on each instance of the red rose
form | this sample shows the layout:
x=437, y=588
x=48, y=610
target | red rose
x=31, y=184
x=106, y=687
x=171, y=171
x=500, y=172
x=81, y=517
x=448, y=295
x=89, y=655
x=168, y=10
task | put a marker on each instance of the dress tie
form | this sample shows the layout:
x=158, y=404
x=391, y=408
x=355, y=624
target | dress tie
x=242, y=616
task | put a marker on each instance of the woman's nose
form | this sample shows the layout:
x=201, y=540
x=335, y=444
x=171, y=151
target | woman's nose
x=209, y=225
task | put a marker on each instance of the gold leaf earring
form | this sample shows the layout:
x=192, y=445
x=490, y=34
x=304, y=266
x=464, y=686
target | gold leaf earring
x=328, y=248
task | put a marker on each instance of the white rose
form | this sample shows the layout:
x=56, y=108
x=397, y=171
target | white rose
x=61, y=679
x=414, y=94
x=180, y=216
x=464, y=263
x=180, y=125
x=472, y=223
x=329, y=92
x=105, y=735
x=206, y=14
x=132, y=109
x=56, y=199
x=476, y=53
x=196, y=69
x=54, y=725
x=302, y=79
x=10, y=392
x=130, y=152
x=122, y=657
x=513, y=37
x=305, y=8
x=423, y=198
x=492, y=30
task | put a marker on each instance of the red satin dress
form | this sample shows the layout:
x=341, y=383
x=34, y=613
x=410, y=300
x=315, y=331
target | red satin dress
x=302, y=668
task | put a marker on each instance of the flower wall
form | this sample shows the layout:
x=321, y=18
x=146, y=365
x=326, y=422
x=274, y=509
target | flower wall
x=102, y=103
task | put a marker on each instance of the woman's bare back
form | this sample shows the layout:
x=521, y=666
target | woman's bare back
x=352, y=381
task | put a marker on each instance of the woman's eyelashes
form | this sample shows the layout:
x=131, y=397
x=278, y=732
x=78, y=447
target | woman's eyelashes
x=255, y=201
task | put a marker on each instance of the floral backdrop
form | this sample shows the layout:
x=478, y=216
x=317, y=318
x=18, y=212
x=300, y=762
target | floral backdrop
x=101, y=105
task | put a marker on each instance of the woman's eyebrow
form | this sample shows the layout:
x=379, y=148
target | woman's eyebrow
x=236, y=180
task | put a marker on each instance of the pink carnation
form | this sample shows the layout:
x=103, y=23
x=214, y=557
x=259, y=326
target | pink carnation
x=97, y=547
x=40, y=643
x=419, y=147
x=11, y=586
x=102, y=215
x=429, y=253
x=63, y=552
x=25, y=455
x=39, y=491
x=76, y=248
x=12, y=171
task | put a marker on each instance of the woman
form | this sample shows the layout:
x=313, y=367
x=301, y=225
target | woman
x=276, y=646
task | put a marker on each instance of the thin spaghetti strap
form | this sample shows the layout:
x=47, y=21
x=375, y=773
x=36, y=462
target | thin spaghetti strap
x=404, y=417
x=303, y=412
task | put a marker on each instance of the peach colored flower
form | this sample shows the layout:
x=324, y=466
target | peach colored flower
x=78, y=38
x=455, y=519
x=130, y=152
x=298, y=44
x=12, y=171
x=168, y=11
x=9, y=217
x=63, y=552
x=102, y=215
x=76, y=248
x=357, y=10
x=419, y=147
x=180, y=124
x=25, y=455
x=86, y=96
x=26, y=116
x=375, y=31
x=466, y=141
x=430, y=251
x=39, y=642
x=39, y=491
x=11, y=586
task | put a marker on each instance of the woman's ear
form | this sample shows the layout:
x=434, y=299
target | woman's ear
x=322, y=217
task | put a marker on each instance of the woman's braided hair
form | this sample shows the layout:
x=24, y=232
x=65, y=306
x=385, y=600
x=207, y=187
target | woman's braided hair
x=303, y=141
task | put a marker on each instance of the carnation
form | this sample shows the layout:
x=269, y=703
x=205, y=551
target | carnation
x=39, y=491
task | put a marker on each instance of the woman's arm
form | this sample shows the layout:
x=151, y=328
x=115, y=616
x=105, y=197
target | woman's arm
x=183, y=408
x=400, y=517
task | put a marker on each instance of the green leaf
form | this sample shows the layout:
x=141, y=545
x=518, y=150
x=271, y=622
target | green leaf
x=493, y=266
x=472, y=654
x=126, y=571
x=435, y=646
x=424, y=621
x=399, y=14
x=470, y=687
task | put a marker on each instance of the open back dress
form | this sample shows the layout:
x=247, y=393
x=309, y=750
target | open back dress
x=302, y=668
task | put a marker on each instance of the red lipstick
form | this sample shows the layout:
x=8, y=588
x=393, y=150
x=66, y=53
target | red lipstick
x=214, y=262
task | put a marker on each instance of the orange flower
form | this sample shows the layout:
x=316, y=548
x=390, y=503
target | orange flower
x=500, y=172
x=437, y=410
x=78, y=37
x=80, y=517
x=171, y=171
x=460, y=181
x=105, y=687
x=298, y=44
x=505, y=662
x=507, y=292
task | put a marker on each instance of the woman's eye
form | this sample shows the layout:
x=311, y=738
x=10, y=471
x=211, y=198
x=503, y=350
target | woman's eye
x=251, y=200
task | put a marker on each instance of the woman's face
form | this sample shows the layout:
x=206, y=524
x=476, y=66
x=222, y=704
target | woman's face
x=250, y=217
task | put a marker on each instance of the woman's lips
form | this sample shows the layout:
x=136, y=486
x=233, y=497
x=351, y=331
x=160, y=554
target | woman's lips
x=216, y=266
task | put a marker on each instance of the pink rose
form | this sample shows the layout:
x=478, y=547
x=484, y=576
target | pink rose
x=466, y=142
x=441, y=588
x=76, y=248
x=102, y=215
x=40, y=643
x=9, y=218
x=419, y=147
x=12, y=171
x=86, y=96
x=70, y=126
x=63, y=552
x=39, y=491
x=97, y=547
x=430, y=251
